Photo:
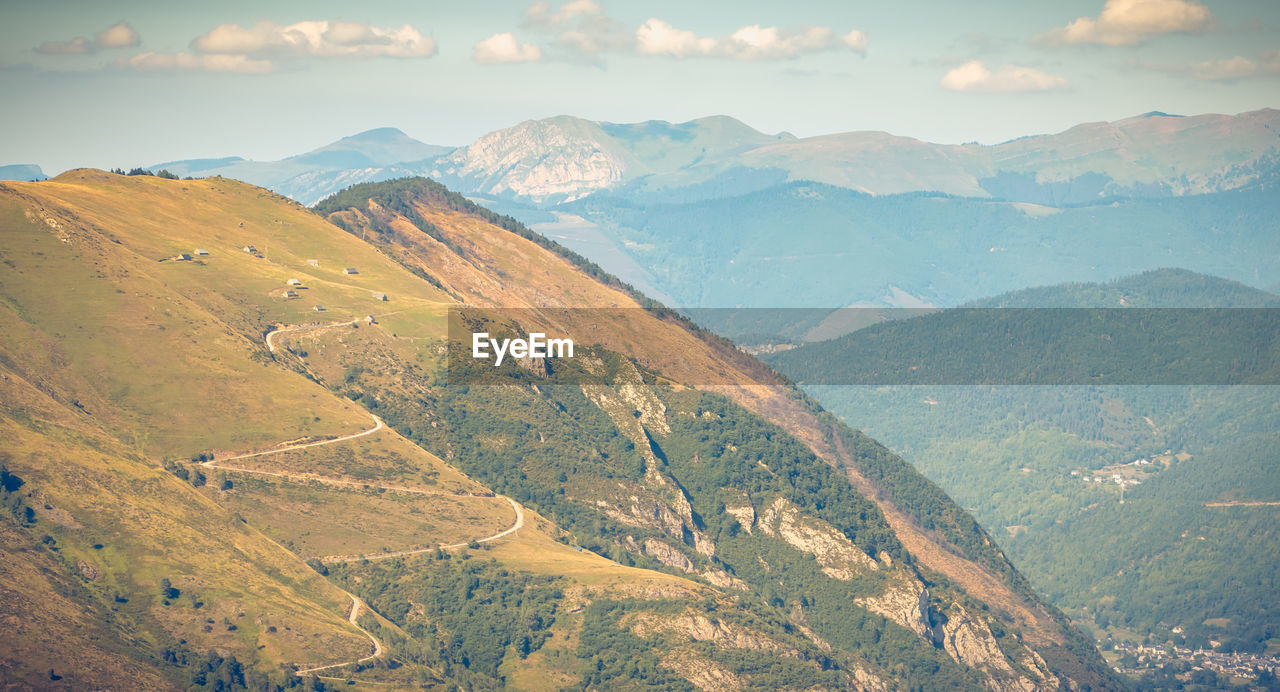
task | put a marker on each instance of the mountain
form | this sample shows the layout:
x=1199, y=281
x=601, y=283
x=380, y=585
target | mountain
x=1059, y=335
x=1159, y=288
x=1178, y=549
x=22, y=172
x=378, y=154
x=214, y=475
x=804, y=245
x=566, y=158
x=1152, y=155
x=547, y=162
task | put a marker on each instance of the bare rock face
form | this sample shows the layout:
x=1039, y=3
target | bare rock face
x=746, y=515
x=702, y=672
x=969, y=641
x=558, y=157
x=866, y=680
x=667, y=555
x=724, y=580
x=637, y=412
x=839, y=557
x=702, y=628
x=905, y=601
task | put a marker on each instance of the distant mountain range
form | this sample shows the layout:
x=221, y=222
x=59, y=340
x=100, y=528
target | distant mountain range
x=560, y=159
x=1151, y=155
x=712, y=213
x=374, y=155
x=24, y=172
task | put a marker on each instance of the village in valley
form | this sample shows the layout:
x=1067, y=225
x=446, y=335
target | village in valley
x=1137, y=659
x=1132, y=473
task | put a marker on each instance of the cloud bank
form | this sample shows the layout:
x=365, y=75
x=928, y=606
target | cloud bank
x=581, y=31
x=257, y=49
x=974, y=76
x=657, y=37
x=322, y=39
x=1130, y=22
x=118, y=35
x=1266, y=64
x=503, y=48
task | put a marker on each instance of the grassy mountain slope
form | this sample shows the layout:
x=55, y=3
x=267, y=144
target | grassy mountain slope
x=662, y=535
x=434, y=232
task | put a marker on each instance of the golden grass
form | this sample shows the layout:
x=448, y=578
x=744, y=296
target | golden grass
x=316, y=521
x=384, y=458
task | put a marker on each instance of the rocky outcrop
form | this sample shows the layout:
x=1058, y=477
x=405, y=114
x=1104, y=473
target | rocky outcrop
x=563, y=158
x=745, y=514
x=637, y=412
x=665, y=554
x=702, y=672
x=702, y=628
x=839, y=557
x=969, y=641
x=905, y=601
x=724, y=580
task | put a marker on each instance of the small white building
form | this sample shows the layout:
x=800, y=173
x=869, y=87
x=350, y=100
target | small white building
x=201, y=251
x=250, y=249
x=350, y=270
x=314, y=263
x=368, y=319
x=294, y=282
x=380, y=296
x=318, y=308
x=290, y=295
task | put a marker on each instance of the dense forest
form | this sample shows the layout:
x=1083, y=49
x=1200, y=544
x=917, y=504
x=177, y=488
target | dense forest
x=1128, y=506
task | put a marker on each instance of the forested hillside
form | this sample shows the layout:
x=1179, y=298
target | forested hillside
x=1147, y=511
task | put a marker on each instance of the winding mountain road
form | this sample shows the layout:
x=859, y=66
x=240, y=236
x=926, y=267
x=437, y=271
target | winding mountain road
x=356, y=603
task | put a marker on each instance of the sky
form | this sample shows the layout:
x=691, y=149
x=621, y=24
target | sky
x=137, y=83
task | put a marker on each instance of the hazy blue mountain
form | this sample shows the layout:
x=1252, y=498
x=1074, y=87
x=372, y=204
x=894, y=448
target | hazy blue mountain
x=1151, y=155
x=810, y=245
x=22, y=171
x=1161, y=288
x=543, y=163
x=379, y=154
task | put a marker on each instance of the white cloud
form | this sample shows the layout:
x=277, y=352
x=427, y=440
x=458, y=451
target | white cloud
x=118, y=35
x=581, y=31
x=578, y=31
x=188, y=62
x=1130, y=22
x=315, y=39
x=657, y=37
x=503, y=48
x=856, y=41
x=1267, y=64
x=974, y=76
x=540, y=13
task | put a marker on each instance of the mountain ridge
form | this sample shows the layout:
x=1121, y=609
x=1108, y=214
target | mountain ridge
x=162, y=353
x=565, y=158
